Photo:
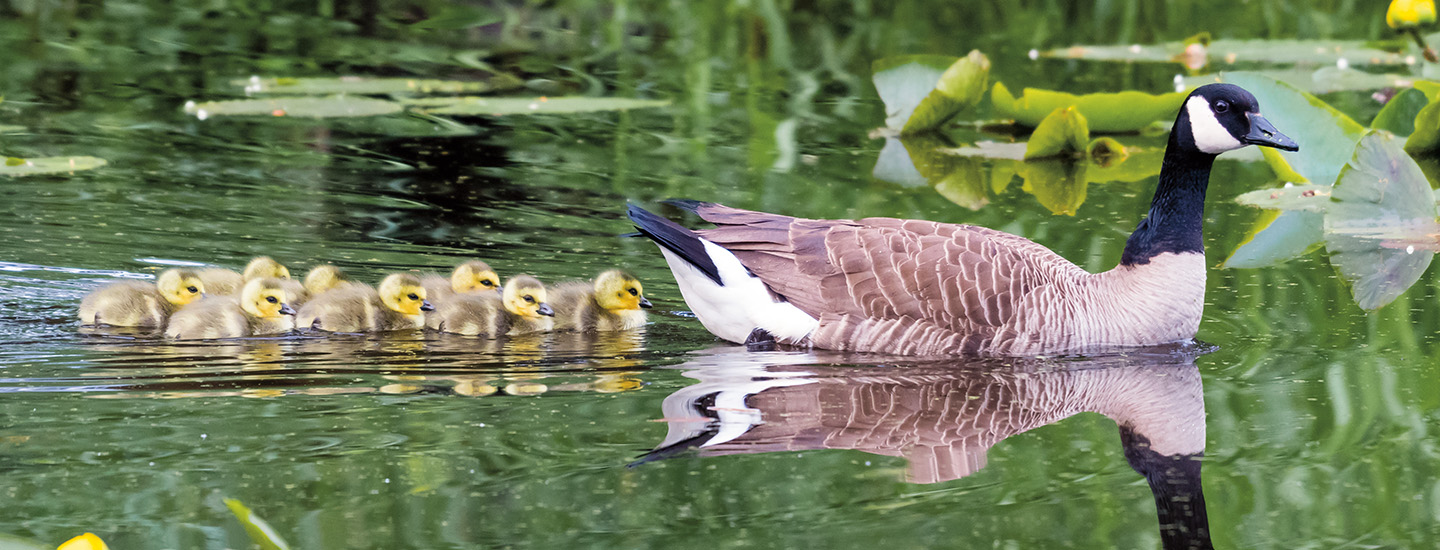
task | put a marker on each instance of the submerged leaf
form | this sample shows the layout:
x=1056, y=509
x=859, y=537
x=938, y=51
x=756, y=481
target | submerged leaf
x=49, y=165
x=370, y=86
x=305, y=107
x=1063, y=131
x=260, y=532
x=497, y=106
x=1282, y=52
x=1105, y=112
x=921, y=92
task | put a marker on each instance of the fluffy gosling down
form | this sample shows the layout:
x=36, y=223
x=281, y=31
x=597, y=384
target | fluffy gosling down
x=469, y=277
x=614, y=301
x=225, y=282
x=399, y=304
x=260, y=309
x=520, y=309
x=324, y=278
x=140, y=303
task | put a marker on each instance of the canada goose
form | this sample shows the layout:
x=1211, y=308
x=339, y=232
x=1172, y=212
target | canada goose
x=471, y=276
x=615, y=301
x=399, y=304
x=521, y=308
x=261, y=308
x=917, y=287
x=138, y=303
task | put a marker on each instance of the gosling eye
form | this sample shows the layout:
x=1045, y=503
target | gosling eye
x=529, y=299
x=192, y=289
x=271, y=299
x=412, y=296
x=1222, y=106
x=633, y=292
x=487, y=283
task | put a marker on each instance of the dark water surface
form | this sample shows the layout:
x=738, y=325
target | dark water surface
x=1317, y=420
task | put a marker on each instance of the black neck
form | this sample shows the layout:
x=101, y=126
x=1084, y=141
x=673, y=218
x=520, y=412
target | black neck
x=1177, y=213
x=1175, y=484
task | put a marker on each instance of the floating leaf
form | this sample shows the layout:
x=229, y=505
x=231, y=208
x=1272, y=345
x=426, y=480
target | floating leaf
x=1398, y=114
x=1324, y=80
x=260, y=532
x=1277, y=238
x=1063, y=131
x=49, y=165
x=1104, y=151
x=11, y=542
x=532, y=105
x=1425, y=139
x=1311, y=197
x=1230, y=52
x=1381, y=196
x=361, y=85
x=1105, y=112
x=305, y=107
x=921, y=92
x=11, y=129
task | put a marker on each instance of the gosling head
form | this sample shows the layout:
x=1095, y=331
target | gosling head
x=617, y=290
x=474, y=276
x=402, y=292
x=265, y=298
x=264, y=266
x=324, y=277
x=1223, y=117
x=179, y=286
x=525, y=296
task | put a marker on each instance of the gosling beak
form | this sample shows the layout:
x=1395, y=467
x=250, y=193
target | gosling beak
x=425, y=306
x=645, y=304
x=545, y=310
x=285, y=309
x=1264, y=134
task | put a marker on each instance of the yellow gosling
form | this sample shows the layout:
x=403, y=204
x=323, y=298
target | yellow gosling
x=260, y=309
x=399, y=304
x=140, y=303
x=614, y=301
x=470, y=277
x=520, y=309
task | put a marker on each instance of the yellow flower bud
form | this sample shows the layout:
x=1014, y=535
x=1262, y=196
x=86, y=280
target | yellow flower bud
x=1406, y=14
x=87, y=541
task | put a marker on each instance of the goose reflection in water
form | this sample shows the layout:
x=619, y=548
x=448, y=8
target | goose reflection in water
x=943, y=418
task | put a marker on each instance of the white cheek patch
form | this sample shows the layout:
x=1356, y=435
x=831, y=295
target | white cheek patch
x=1207, y=132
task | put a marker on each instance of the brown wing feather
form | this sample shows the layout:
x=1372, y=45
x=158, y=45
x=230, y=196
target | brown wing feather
x=883, y=284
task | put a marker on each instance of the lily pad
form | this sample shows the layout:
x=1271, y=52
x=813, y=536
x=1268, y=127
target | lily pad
x=361, y=85
x=49, y=165
x=1105, y=112
x=304, y=107
x=11, y=129
x=1324, y=80
x=1381, y=197
x=11, y=542
x=1230, y=52
x=498, y=106
x=1063, y=132
x=1398, y=114
x=921, y=92
x=261, y=533
x=1311, y=197
x=1059, y=184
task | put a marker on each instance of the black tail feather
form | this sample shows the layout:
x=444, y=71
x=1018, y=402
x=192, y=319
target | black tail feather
x=679, y=240
x=688, y=205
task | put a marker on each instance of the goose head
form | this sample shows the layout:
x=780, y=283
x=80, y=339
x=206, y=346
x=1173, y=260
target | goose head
x=1223, y=117
x=402, y=292
x=265, y=298
x=264, y=266
x=179, y=286
x=324, y=277
x=617, y=290
x=525, y=296
x=474, y=276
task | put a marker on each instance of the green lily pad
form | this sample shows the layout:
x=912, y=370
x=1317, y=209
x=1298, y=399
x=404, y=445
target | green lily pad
x=304, y=107
x=49, y=165
x=498, y=106
x=261, y=533
x=922, y=92
x=1398, y=115
x=1105, y=112
x=1381, y=197
x=11, y=129
x=361, y=85
x=1425, y=139
x=1230, y=52
x=11, y=542
x=1311, y=197
x=1064, y=131
x=1324, y=80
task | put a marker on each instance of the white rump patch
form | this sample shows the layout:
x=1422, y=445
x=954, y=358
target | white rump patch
x=742, y=305
x=1207, y=132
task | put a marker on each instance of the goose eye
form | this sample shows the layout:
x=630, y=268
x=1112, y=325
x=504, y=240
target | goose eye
x=412, y=296
x=633, y=292
x=192, y=289
x=271, y=299
x=1222, y=106
x=529, y=299
x=487, y=283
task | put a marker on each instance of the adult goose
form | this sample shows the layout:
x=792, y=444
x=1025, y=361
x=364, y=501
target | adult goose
x=917, y=287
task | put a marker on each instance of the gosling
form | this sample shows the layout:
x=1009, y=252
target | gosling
x=399, y=304
x=260, y=309
x=326, y=277
x=615, y=301
x=520, y=309
x=132, y=303
x=469, y=277
x=225, y=282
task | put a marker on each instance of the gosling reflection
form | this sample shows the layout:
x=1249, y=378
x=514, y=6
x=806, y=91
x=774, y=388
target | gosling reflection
x=943, y=418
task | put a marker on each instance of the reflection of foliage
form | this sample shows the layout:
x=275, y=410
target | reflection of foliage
x=1106, y=112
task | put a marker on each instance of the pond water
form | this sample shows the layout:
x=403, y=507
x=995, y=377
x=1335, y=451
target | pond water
x=1314, y=417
